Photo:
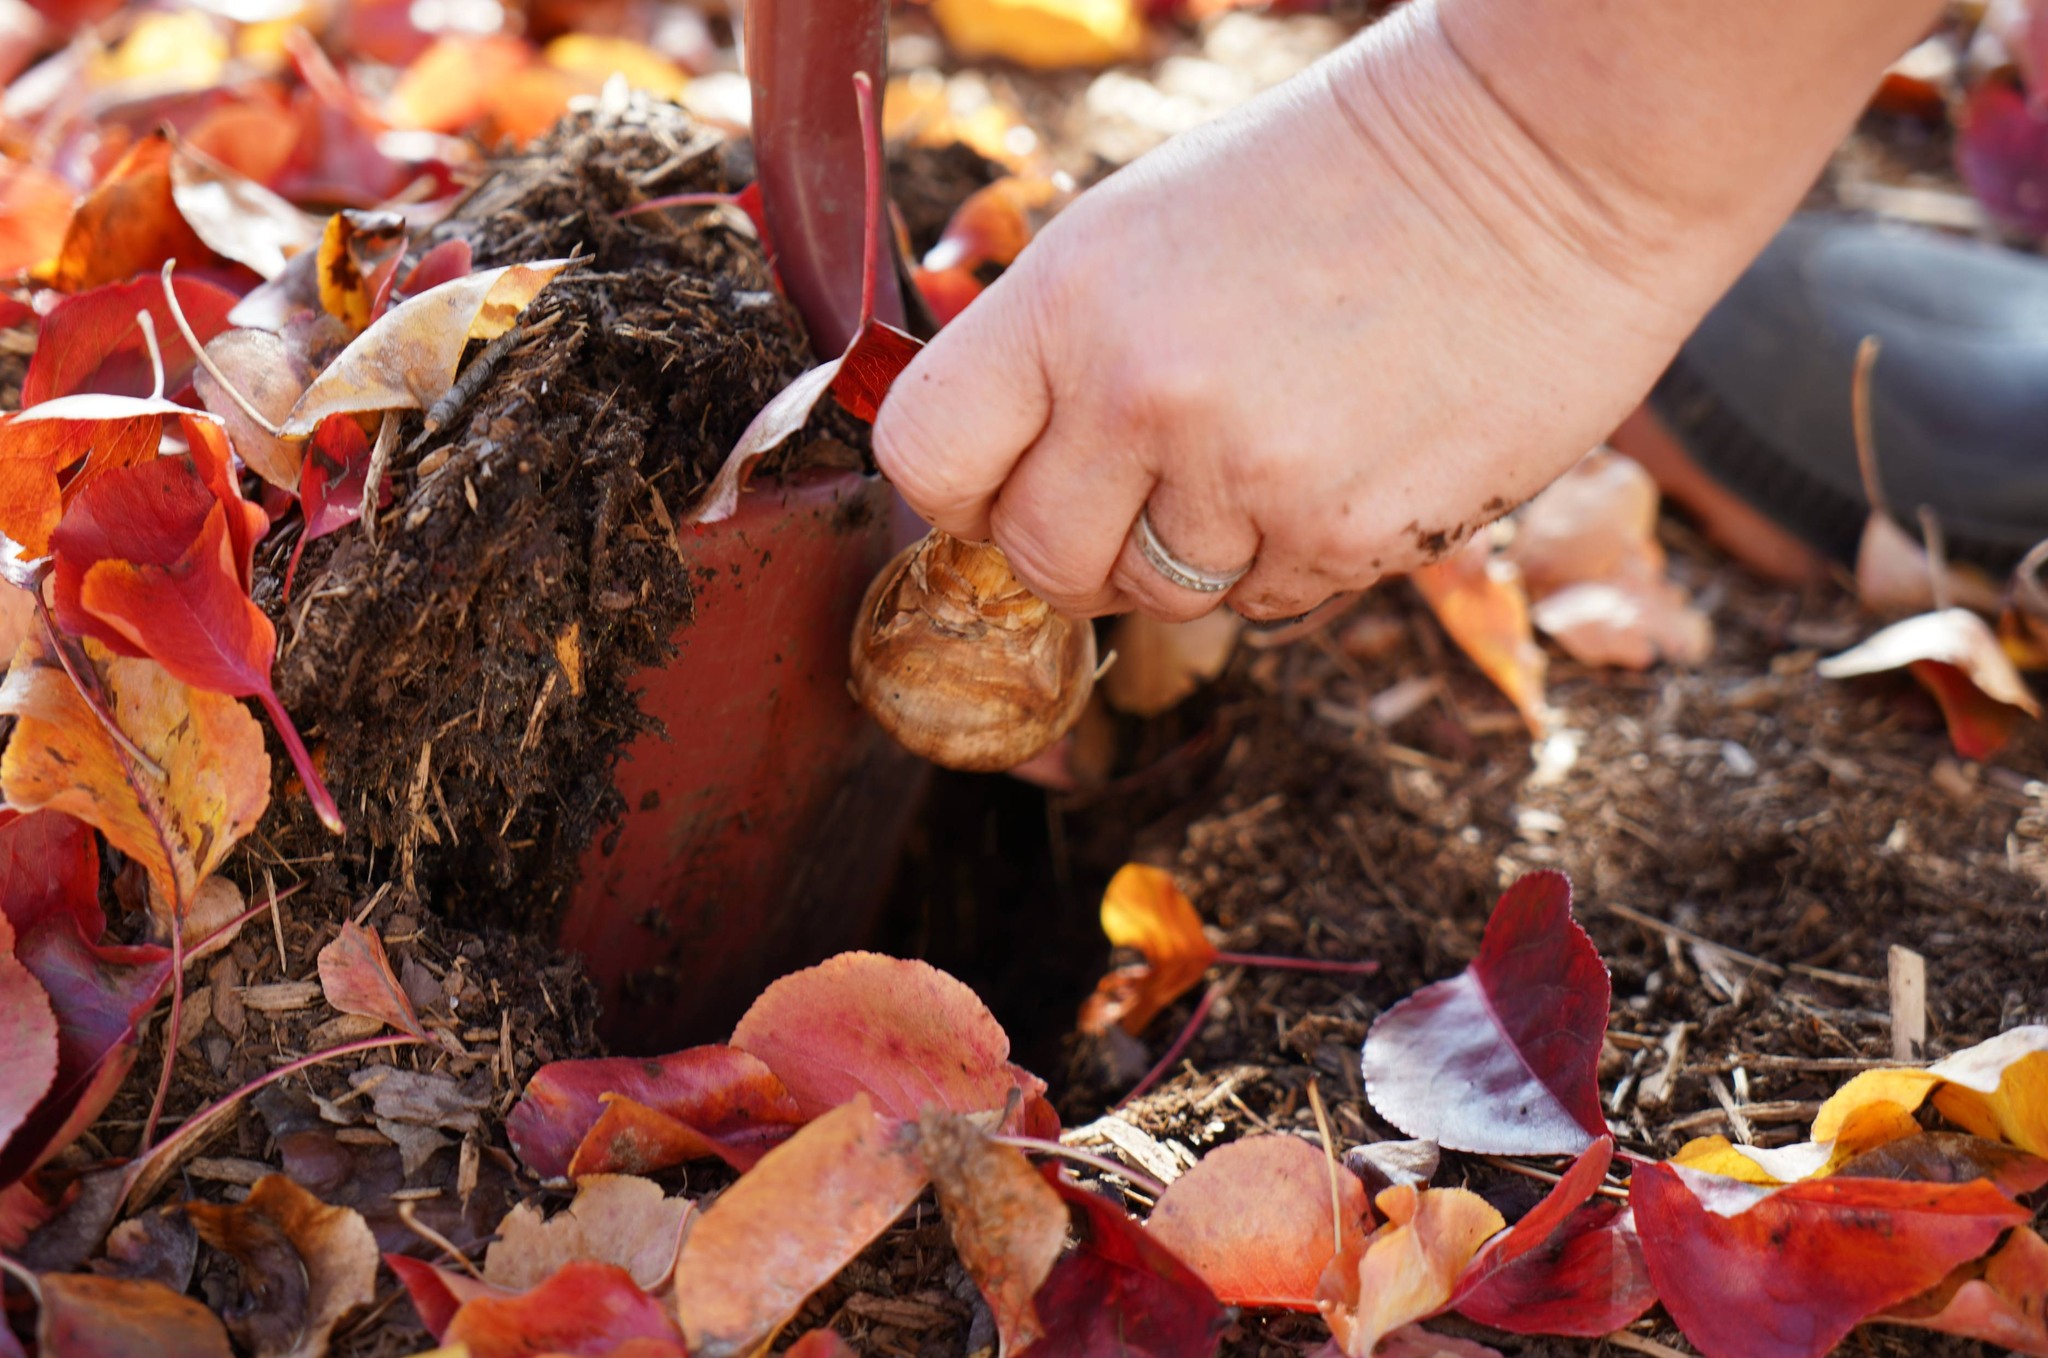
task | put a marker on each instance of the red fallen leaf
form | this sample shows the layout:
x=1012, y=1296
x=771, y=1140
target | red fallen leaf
x=84, y=1315
x=586, y=1308
x=28, y=1038
x=128, y=225
x=331, y=483
x=2002, y=1300
x=50, y=869
x=22, y=1213
x=35, y=209
x=726, y=1097
x=902, y=1031
x=336, y=158
x=253, y=134
x=1143, y=908
x=819, y=1344
x=859, y=378
x=305, y=1266
x=214, y=461
x=1007, y=1224
x=789, y=1225
x=92, y=342
x=946, y=292
x=2002, y=154
x=1254, y=1219
x=1120, y=1293
x=445, y=263
x=1750, y=1272
x=438, y=1293
x=356, y=977
x=151, y=562
x=1502, y=1057
x=1571, y=1266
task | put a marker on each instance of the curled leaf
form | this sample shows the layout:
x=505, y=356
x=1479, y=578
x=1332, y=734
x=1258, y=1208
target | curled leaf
x=1008, y=1224
x=1408, y=1269
x=1481, y=602
x=1144, y=909
x=1956, y=655
x=356, y=977
x=1996, y=1089
x=306, y=1266
x=615, y=1219
x=1120, y=1292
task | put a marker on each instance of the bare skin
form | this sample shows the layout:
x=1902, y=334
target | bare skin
x=1338, y=330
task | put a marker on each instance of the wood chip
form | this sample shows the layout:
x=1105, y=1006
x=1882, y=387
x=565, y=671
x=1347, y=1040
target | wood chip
x=1137, y=1146
x=280, y=997
x=1908, y=990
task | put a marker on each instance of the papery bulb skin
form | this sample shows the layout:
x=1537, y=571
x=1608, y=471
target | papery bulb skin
x=962, y=664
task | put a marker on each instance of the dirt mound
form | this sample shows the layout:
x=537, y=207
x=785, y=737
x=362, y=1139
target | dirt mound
x=466, y=669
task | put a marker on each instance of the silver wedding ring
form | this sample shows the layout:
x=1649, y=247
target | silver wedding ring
x=1177, y=571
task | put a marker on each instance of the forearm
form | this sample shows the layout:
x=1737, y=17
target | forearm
x=1712, y=110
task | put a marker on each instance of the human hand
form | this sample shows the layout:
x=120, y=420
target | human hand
x=1329, y=335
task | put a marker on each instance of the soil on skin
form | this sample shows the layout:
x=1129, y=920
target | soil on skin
x=467, y=673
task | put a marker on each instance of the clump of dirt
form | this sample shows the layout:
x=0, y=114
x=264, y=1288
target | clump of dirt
x=465, y=670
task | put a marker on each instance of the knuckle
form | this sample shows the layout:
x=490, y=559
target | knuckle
x=1052, y=574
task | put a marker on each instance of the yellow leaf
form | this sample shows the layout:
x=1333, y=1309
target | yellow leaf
x=170, y=51
x=1863, y=1129
x=210, y=749
x=1409, y=1266
x=1143, y=909
x=600, y=58
x=1996, y=1089
x=1046, y=34
x=1717, y=1155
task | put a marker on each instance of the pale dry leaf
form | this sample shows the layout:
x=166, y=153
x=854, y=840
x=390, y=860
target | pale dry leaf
x=616, y=1219
x=1159, y=664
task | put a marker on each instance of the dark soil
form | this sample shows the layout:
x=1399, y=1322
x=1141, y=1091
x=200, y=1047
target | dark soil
x=468, y=672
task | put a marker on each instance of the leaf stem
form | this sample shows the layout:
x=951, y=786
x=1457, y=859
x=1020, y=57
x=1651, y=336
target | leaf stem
x=316, y=790
x=1180, y=1044
x=206, y=360
x=701, y=199
x=871, y=201
x=1137, y=1178
x=1317, y=964
x=90, y=692
x=171, y=1026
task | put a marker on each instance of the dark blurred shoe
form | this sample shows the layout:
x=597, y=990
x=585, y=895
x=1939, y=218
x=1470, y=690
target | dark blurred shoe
x=1750, y=427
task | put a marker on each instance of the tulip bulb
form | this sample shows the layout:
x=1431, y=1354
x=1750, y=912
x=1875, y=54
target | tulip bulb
x=962, y=664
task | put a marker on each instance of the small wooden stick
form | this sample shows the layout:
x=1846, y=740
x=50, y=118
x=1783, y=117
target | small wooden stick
x=1315, y=1103
x=1908, y=989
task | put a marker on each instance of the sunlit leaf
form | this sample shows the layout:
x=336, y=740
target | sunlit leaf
x=1144, y=909
x=1408, y=1269
x=1008, y=1224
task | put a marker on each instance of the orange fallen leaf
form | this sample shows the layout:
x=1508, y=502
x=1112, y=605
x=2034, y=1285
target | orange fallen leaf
x=407, y=359
x=790, y=1224
x=615, y=1219
x=357, y=252
x=210, y=748
x=356, y=978
x=1144, y=909
x=1008, y=1224
x=902, y=1032
x=596, y=58
x=35, y=210
x=1408, y=1269
x=1255, y=1219
x=454, y=82
x=306, y=1266
x=819, y=1344
x=1480, y=600
x=83, y=1315
x=129, y=224
x=2002, y=1299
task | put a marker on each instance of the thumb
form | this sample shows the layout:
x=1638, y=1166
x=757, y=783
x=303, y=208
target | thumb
x=966, y=409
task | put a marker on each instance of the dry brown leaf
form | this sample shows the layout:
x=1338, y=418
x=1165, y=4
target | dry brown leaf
x=237, y=217
x=306, y=1266
x=1007, y=1222
x=1959, y=659
x=616, y=1219
x=270, y=373
x=789, y=1224
x=211, y=749
x=1158, y=664
x=1046, y=34
x=1894, y=576
x=408, y=358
